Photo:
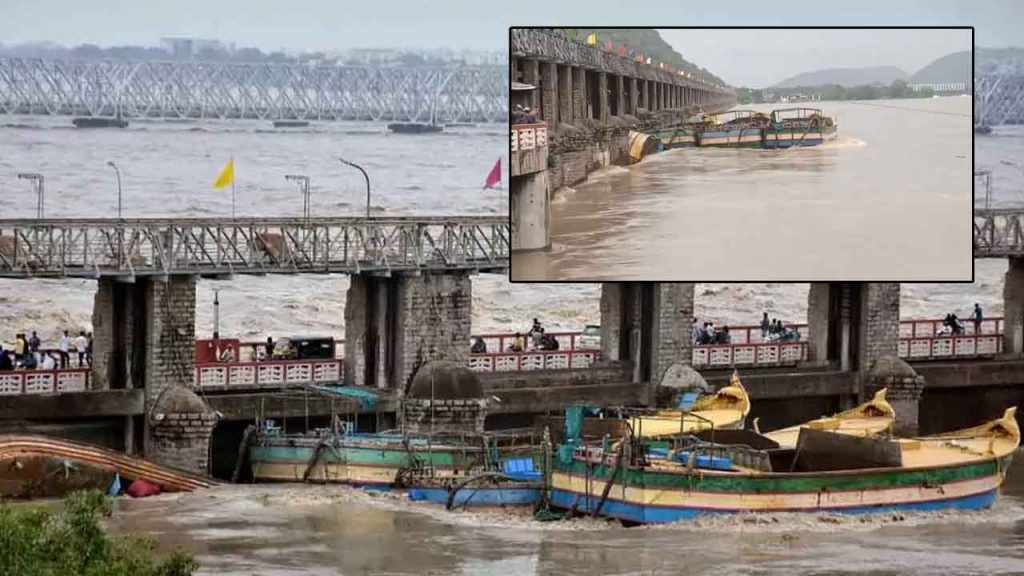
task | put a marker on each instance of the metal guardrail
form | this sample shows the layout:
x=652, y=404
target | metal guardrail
x=998, y=232
x=108, y=247
x=150, y=89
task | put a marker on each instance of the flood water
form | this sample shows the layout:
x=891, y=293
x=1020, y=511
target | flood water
x=301, y=529
x=889, y=199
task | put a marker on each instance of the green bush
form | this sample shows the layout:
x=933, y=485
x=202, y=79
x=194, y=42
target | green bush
x=41, y=541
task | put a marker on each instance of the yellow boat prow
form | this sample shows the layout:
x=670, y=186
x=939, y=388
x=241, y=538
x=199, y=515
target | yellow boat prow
x=875, y=416
x=725, y=409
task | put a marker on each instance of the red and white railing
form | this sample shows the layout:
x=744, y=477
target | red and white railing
x=943, y=347
x=272, y=373
x=529, y=136
x=787, y=353
x=17, y=382
x=535, y=360
x=929, y=328
x=502, y=342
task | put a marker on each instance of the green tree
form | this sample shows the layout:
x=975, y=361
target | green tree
x=898, y=89
x=41, y=541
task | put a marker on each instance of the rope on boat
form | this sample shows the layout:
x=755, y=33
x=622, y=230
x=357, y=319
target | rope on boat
x=314, y=458
x=454, y=489
x=611, y=479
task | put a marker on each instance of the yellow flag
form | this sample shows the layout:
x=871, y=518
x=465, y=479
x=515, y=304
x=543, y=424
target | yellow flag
x=227, y=175
x=592, y=39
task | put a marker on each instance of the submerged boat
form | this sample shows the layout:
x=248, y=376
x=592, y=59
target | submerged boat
x=791, y=127
x=98, y=122
x=875, y=416
x=684, y=137
x=415, y=128
x=733, y=129
x=291, y=123
x=511, y=481
x=824, y=472
x=43, y=467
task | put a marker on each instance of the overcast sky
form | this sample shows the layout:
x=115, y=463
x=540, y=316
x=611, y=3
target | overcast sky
x=483, y=24
x=760, y=58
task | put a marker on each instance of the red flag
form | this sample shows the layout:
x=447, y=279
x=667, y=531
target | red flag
x=622, y=51
x=608, y=46
x=495, y=176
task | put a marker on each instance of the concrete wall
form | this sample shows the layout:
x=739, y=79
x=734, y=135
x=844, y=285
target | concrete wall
x=405, y=321
x=673, y=318
x=530, y=212
x=170, y=334
x=880, y=321
x=182, y=441
x=1013, y=307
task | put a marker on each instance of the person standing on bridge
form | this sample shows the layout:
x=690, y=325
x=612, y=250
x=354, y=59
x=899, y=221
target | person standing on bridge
x=20, y=347
x=765, y=325
x=64, y=347
x=81, y=344
x=33, y=343
x=269, y=349
x=977, y=317
x=6, y=363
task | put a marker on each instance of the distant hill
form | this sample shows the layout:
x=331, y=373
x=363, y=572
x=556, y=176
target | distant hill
x=846, y=77
x=649, y=43
x=1000, y=60
x=955, y=67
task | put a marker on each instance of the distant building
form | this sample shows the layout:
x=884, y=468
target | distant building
x=186, y=48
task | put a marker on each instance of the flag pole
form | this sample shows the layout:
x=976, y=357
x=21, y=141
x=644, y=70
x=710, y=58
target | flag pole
x=232, y=187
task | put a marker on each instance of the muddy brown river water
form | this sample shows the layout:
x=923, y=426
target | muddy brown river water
x=277, y=530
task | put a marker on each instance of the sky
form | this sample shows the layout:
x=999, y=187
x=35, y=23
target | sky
x=330, y=25
x=757, y=59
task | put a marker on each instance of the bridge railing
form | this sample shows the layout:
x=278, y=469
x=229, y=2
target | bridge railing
x=17, y=382
x=271, y=374
x=950, y=347
x=759, y=354
x=533, y=360
x=998, y=232
x=92, y=248
x=528, y=136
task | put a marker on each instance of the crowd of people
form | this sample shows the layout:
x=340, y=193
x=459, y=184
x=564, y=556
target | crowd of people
x=953, y=326
x=27, y=353
x=772, y=329
x=709, y=334
x=523, y=115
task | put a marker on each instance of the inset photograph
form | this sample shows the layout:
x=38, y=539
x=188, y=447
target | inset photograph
x=724, y=154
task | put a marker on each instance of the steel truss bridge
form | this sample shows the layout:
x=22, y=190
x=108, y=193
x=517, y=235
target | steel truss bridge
x=999, y=99
x=260, y=91
x=163, y=247
x=998, y=232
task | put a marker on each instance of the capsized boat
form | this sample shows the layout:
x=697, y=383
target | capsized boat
x=824, y=472
x=733, y=129
x=722, y=410
x=43, y=467
x=791, y=127
x=510, y=481
x=876, y=416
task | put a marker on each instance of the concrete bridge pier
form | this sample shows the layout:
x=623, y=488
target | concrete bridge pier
x=1013, y=308
x=648, y=325
x=144, y=337
x=395, y=324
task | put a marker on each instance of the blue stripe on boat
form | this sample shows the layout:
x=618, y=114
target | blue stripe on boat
x=660, y=514
x=479, y=497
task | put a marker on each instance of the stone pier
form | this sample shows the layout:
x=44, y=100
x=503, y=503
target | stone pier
x=648, y=325
x=395, y=324
x=144, y=338
x=1013, y=308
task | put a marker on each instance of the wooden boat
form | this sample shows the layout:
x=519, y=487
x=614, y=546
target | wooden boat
x=825, y=472
x=733, y=129
x=512, y=481
x=725, y=409
x=685, y=137
x=43, y=467
x=372, y=460
x=875, y=416
x=791, y=127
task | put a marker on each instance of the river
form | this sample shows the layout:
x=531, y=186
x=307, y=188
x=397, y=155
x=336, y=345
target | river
x=276, y=530
x=168, y=169
x=888, y=199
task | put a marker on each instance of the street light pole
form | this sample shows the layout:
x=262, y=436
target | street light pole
x=118, y=172
x=366, y=176
x=303, y=182
x=37, y=183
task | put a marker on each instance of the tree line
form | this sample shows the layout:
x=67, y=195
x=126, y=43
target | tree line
x=898, y=89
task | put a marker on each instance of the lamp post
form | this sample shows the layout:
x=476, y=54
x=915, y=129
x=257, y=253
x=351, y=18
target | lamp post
x=216, y=314
x=37, y=183
x=366, y=176
x=118, y=172
x=303, y=182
